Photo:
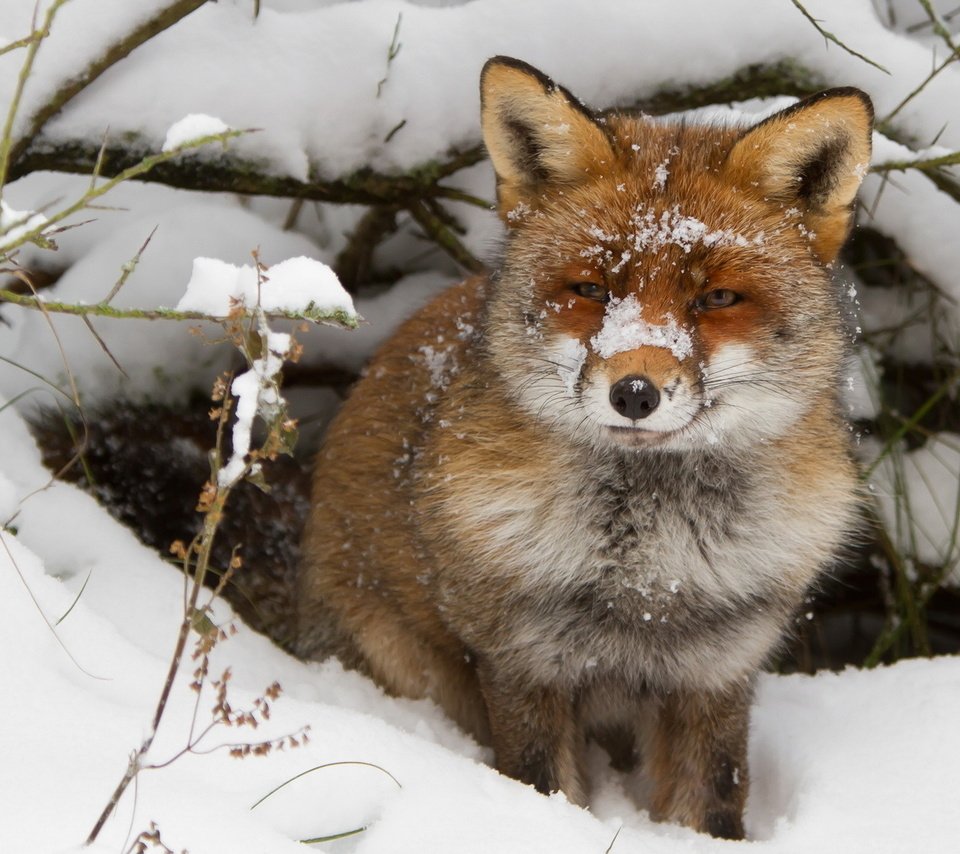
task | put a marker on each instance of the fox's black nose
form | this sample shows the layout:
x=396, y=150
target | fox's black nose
x=634, y=397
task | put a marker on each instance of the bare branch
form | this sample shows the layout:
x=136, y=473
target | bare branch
x=951, y=58
x=233, y=174
x=441, y=234
x=120, y=49
x=40, y=232
x=831, y=37
x=7, y=147
x=931, y=167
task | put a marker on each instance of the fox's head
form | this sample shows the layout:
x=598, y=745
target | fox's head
x=664, y=285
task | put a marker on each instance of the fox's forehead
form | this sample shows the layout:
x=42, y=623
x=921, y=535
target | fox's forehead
x=663, y=198
x=659, y=149
x=663, y=184
x=662, y=166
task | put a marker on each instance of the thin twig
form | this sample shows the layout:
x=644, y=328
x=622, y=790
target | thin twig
x=831, y=37
x=889, y=117
x=932, y=168
x=141, y=167
x=908, y=424
x=392, y=52
x=8, y=150
x=128, y=267
x=104, y=347
x=24, y=42
x=937, y=24
x=926, y=164
x=354, y=263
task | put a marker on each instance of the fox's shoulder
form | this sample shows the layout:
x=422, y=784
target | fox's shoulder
x=447, y=325
x=412, y=371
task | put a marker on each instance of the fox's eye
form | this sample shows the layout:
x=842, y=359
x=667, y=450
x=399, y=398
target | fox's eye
x=591, y=290
x=720, y=298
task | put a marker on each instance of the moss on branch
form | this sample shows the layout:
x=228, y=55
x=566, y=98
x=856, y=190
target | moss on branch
x=103, y=309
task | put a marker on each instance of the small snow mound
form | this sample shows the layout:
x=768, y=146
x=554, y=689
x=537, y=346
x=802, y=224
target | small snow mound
x=191, y=127
x=297, y=285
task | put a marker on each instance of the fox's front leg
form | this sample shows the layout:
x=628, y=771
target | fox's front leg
x=696, y=757
x=535, y=733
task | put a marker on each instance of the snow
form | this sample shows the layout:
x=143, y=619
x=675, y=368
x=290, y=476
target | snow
x=860, y=761
x=192, y=127
x=298, y=284
x=14, y=224
x=257, y=393
x=570, y=361
x=624, y=329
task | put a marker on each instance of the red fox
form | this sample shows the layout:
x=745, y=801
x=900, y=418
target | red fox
x=583, y=498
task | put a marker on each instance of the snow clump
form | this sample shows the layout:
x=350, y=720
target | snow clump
x=300, y=284
x=256, y=392
x=191, y=127
x=14, y=224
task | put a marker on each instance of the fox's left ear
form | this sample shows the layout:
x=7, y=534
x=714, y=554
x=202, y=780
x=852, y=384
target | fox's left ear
x=811, y=156
x=538, y=135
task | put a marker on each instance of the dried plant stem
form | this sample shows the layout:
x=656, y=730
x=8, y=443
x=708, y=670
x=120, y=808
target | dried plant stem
x=202, y=547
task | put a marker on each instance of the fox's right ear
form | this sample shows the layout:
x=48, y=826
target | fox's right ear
x=537, y=133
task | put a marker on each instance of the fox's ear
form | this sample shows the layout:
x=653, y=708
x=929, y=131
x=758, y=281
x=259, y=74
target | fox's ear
x=537, y=133
x=811, y=156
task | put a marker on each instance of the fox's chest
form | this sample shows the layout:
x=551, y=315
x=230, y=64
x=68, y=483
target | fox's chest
x=676, y=570
x=644, y=531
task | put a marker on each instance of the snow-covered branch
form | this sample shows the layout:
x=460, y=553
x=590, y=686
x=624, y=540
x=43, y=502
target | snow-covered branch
x=13, y=146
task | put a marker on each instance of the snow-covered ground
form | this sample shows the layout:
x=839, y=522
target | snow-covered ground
x=861, y=761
